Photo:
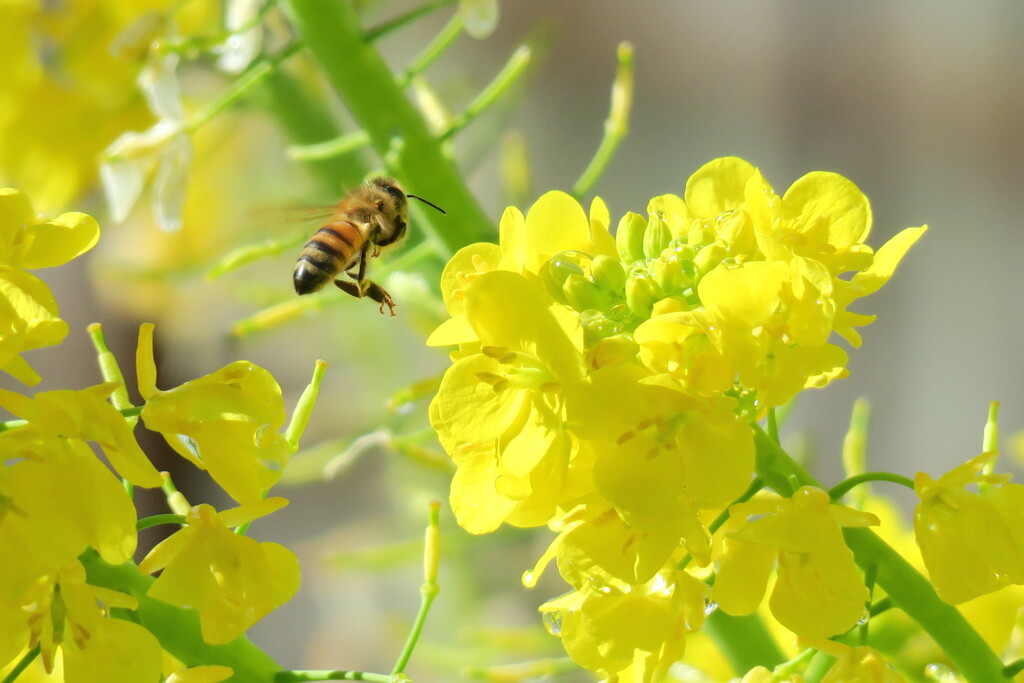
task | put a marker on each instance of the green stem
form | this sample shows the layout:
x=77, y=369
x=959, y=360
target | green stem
x=377, y=32
x=434, y=49
x=178, y=629
x=843, y=487
x=304, y=407
x=110, y=370
x=335, y=147
x=156, y=520
x=819, y=666
x=255, y=75
x=506, y=78
x=880, y=607
x=615, y=127
x=26, y=659
x=744, y=641
x=908, y=590
x=773, y=425
x=429, y=589
x=1013, y=668
x=397, y=130
x=305, y=119
x=324, y=675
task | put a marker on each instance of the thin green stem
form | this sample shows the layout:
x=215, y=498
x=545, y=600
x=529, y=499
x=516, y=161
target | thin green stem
x=880, y=607
x=795, y=664
x=434, y=49
x=819, y=666
x=773, y=425
x=756, y=485
x=870, y=574
x=429, y=589
x=908, y=590
x=156, y=520
x=381, y=30
x=304, y=407
x=245, y=83
x=1013, y=668
x=336, y=147
x=26, y=659
x=528, y=670
x=110, y=370
x=397, y=130
x=513, y=70
x=843, y=487
x=325, y=675
x=615, y=127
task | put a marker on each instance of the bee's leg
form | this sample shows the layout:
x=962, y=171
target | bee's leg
x=366, y=287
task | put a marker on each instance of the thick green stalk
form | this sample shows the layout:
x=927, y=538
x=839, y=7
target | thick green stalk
x=744, y=641
x=397, y=131
x=178, y=629
x=910, y=591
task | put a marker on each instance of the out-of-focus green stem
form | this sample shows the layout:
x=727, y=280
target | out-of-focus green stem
x=744, y=641
x=27, y=659
x=615, y=127
x=429, y=589
x=306, y=120
x=255, y=75
x=362, y=79
x=327, y=675
x=381, y=30
x=506, y=78
x=908, y=590
x=304, y=408
x=335, y=147
x=434, y=49
x=178, y=629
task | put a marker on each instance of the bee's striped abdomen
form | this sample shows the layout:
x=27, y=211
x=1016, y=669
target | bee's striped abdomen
x=331, y=250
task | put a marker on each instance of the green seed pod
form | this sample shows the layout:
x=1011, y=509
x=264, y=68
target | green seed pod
x=629, y=237
x=608, y=274
x=641, y=293
x=656, y=237
x=669, y=272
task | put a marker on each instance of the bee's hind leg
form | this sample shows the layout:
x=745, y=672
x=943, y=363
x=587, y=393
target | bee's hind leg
x=369, y=288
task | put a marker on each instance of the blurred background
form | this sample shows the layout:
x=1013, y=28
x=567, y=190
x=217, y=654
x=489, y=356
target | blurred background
x=920, y=103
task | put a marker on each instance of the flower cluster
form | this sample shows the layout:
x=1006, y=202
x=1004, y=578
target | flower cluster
x=63, y=512
x=605, y=387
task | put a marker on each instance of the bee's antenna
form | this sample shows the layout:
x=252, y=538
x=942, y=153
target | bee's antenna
x=428, y=203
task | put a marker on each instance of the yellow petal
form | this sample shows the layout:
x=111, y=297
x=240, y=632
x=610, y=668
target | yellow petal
x=57, y=241
x=718, y=186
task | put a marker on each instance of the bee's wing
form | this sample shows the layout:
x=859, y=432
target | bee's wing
x=289, y=215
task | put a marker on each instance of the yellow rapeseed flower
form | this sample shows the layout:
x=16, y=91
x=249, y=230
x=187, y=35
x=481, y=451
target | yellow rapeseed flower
x=227, y=422
x=972, y=542
x=231, y=580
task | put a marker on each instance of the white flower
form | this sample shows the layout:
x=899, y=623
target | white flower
x=246, y=39
x=164, y=150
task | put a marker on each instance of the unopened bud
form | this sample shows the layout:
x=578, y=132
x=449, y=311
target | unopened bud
x=669, y=273
x=641, y=293
x=629, y=237
x=596, y=326
x=710, y=256
x=557, y=270
x=619, y=348
x=581, y=294
x=656, y=237
x=608, y=274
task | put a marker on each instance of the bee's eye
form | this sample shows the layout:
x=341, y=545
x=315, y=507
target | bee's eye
x=380, y=206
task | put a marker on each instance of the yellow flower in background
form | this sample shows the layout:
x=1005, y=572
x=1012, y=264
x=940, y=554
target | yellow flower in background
x=29, y=317
x=972, y=542
x=232, y=581
x=860, y=664
x=72, y=86
x=227, y=422
x=818, y=591
x=642, y=628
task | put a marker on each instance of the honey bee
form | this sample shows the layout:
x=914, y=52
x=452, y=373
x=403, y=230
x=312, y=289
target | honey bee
x=369, y=220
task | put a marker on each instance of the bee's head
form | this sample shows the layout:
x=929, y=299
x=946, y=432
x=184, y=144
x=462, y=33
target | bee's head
x=390, y=199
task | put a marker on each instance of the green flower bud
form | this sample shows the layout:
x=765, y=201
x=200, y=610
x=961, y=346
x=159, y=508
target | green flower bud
x=656, y=237
x=710, y=256
x=629, y=237
x=596, y=326
x=613, y=350
x=557, y=270
x=608, y=274
x=641, y=293
x=669, y=272
x=581, y=294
